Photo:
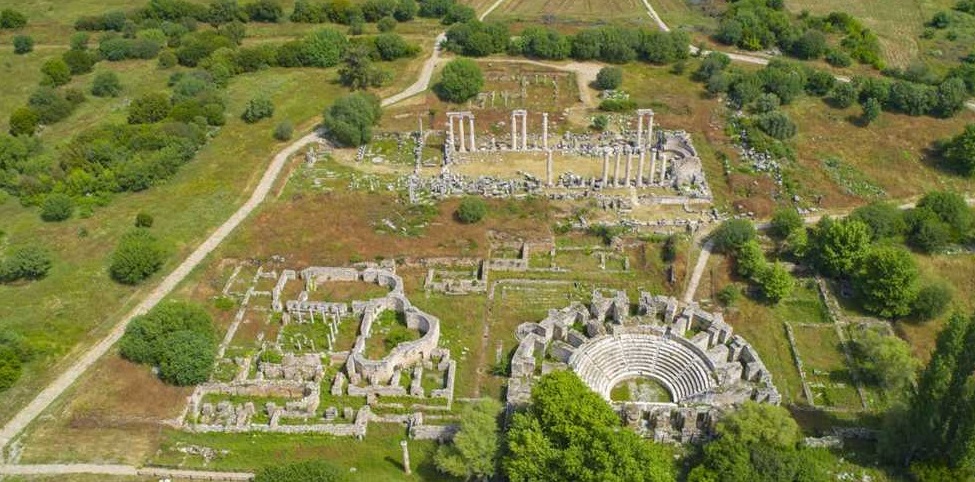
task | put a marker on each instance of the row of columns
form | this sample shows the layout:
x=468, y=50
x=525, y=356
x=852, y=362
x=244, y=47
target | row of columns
x=629, y=168
x=460, y=117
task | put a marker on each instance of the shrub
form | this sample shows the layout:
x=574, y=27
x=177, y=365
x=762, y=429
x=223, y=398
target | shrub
x=137, y=256
x=471, y=210
x=167, y=59
x=609, y=78
x=150, y=108
x=23, y=44
x=729, y=295
x=617, y=105
x=317, y=470
x=390, y=46
x=284, y=130
x=79, y=61
x=932, y=301
x=732, y=235
x=767, y=103
x=776, y=282
x=784, y=222
x=56, y=72
x=462, y=80
x=144, y=220
x=23, y=122
x=10, y=19
x=386, y=24
x=257, y=108
x=777, y=125
x=600, y=122
x=106, y=84
x=185, y=359
x=28, y=262
x=838, y=58
x=264, y=11
x=179, y=338
x=844, y=94
x=57, y=207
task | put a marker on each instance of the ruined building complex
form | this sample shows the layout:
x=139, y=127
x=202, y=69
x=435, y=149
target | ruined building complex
x=692, y=354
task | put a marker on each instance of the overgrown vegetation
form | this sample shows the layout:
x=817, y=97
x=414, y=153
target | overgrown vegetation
x=178, y=338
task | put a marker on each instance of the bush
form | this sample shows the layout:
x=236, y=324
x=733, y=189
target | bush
x=777, y=124
x=732, y=235
x=106, y=84
x=264, y=11
x=887, y=281
x=729, y=295
x=317, y=470
x=137, y=256
x=784, y=222
x=185, y=359
x=471, y=210
x=609, y=78
x=844, y=94
x=284, y=130
x=350, y=119
x=599, y=122
x=257, y=108
x=386, y=24
x=838, y=58
x=179, y=338
x=29, y=262
x=56, y=72
x=49, y=105
x=932, y=301
x=167, y=59
x=150, y=108
x=79, y=61
x=10, y=19
x=57, y=207
x=776, y=282
x=462, y=80
x=24, y=122
x=23, y=44
x=144, y=220
x=617, y=105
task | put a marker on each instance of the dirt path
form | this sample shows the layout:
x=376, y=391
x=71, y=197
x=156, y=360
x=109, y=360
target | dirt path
x=702, y=264
x=47, y=396
x=125, y=470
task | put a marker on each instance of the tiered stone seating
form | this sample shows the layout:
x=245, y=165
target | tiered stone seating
x=604, y=361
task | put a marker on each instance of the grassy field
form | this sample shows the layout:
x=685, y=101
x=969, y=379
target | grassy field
x=572, y=12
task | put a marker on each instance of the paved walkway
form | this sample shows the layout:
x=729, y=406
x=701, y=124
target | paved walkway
x=702, y=263
x=123, y=470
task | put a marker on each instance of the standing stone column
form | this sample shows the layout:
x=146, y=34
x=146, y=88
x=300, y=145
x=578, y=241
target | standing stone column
x=653, y=164
x=639, y=170
x=663, y=169
x=473, y=142
x=629, y=164
x=406, y=457
x=605, y=168
x=450, y=122
x=548, y=169
x=514, y=138
x=616, y=172
x=461, y=124
x=650, y=130
x=524, y=131
x=639, y=130
x=545, y=131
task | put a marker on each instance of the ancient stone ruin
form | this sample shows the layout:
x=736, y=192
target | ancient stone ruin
x=693, y=354
x=289, y=385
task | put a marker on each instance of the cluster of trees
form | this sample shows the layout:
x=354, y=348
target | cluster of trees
x=14, y=353
x=12, y=19
x=30, y=262
x=349, y=121
x=611, y=44
x=177, y=338
x=762, y=24
x=473, y=452
x=760, y=442
x=216, y=13
x=934, y=433
x=570, y=433
x=885, y=361
x=738, y=238
x=137, y=256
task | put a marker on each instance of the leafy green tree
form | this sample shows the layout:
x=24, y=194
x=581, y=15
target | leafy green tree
x=79, y=61
x=837, y=247
x=775, y=282
x=406, y=10
x=609, y=78
x=871, y=110
x=570, y=433
x=458, y=13
x=732, y=235
x=225, y=11
x=185, y=359
x=784, y=222
x=750, y=259
x=932, y=301
x=843, y=95
x=473, y=452
x=56, y=72
x=461, y=80
x=264, y=11
x=106, y=84
x=57, y=207
x=12, y=19
x=149, y=108
x=951, y=208
x=350, y=119
x=23, y=44
x=887, y=281
x=959, y=151
x=258, y=108
x=317, y=470
x=144, y=335
x=49, y=105
x=137, y=256
x=885, y=361
x=811, y=45
x=386, y=24
x=390, y=46
x=885, y=220
x=24, y=122
x=324, y=48
x=30, y=262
